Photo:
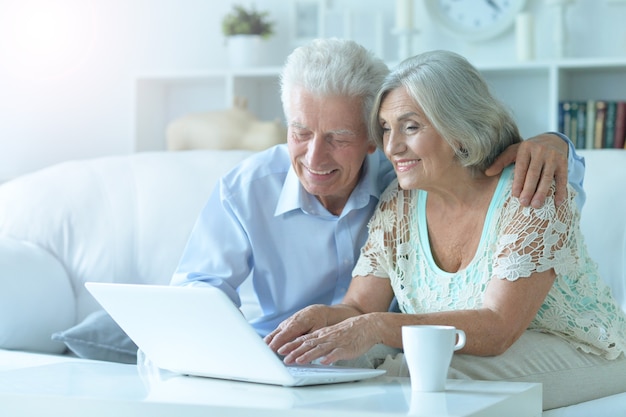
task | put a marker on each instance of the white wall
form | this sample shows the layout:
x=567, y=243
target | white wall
x=67, y=66
x=594, y=28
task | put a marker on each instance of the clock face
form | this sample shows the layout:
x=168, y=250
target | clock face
x=475, y=19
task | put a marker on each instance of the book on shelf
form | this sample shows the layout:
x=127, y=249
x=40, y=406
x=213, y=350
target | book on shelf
x=564, y=118
x=573, y=122
x=620, y=125
x=609, y=124
x=581, y=125
x=600, y=123
x=591, y=128
x=593, y=124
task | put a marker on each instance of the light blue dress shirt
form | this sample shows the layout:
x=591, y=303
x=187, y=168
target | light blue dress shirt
x=575, y=171
x=261, y=224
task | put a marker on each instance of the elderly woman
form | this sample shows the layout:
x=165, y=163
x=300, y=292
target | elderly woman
x=456, y=248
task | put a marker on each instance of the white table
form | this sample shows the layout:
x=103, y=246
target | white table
x=80, y=388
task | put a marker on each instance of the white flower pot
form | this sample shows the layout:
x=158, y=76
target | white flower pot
x=244, y=51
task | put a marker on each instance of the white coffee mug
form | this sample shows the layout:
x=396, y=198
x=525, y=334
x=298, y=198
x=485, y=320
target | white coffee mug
x=428, y=352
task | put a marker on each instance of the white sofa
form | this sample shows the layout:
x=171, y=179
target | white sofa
x=126, y=219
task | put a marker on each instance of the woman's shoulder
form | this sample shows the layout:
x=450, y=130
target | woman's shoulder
x=394, y=191
x=397, y=201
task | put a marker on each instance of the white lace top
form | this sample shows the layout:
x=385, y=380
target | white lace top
x=515, y=242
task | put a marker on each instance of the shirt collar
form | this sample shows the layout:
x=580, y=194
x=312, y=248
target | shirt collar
x=293, y=196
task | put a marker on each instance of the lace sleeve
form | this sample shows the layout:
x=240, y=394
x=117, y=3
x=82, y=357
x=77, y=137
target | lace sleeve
x=378, y=255
x=535, y=240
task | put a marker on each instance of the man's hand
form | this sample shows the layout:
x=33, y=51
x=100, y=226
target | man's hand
x=345, y=340
x=538, y=161
x=301, y=323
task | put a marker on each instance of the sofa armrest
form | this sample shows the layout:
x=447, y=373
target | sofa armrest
x=36, y=298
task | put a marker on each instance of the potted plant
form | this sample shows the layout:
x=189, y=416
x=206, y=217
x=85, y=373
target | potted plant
x=245, y=30
x=247, y=22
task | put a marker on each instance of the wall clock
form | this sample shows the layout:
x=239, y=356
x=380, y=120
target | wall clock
x=475, y=20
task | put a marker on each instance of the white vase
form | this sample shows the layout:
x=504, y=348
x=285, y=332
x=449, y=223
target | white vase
x=244, y=51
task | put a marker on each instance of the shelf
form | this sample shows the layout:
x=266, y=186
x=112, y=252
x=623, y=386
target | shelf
x=161, y=98
x=532, y=90
x=201, y=75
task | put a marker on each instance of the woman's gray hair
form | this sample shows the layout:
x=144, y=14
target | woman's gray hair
x=333, y=67
x=456, y=100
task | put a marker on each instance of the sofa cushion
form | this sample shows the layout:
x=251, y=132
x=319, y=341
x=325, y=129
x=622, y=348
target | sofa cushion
x=113, y=219
x=99, y=337
x=36, y=298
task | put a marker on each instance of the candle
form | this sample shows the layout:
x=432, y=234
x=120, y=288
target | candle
x=380, y=35
x=404, y=14
x=524, y=37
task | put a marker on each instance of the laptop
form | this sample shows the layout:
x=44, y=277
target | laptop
x=198, y=331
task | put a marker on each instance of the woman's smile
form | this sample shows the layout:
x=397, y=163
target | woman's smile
x=404, y=165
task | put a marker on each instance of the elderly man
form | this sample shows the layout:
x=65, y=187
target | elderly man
x=293, y=218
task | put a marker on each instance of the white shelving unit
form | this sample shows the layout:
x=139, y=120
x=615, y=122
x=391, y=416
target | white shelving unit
x=161, y=98
x=532, y=90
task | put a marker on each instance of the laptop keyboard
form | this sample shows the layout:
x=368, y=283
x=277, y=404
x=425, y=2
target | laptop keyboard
x=312, y=369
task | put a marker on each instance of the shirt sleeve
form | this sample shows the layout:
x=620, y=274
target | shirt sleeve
x=217, y=252
x=379, y=252
x=535, y=240
x=575, y=170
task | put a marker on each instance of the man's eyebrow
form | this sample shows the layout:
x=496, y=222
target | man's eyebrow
x=338, y=132
x=343, y=132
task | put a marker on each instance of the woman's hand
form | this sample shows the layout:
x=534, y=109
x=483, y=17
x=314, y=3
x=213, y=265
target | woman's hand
x=348, y=339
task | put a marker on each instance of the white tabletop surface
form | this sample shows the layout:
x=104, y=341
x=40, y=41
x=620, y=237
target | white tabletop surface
x=79, y=388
